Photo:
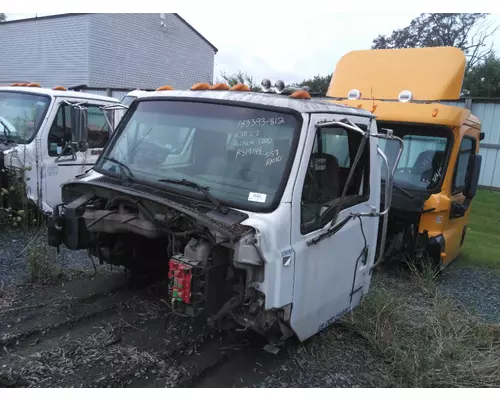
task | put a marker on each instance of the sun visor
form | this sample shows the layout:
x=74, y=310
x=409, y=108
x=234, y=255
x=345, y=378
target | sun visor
x=432, y=73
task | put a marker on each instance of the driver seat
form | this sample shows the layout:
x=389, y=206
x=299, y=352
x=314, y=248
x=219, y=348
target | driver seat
x=322, y=184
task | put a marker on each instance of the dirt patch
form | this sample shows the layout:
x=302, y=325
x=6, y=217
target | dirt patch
x=100, y=331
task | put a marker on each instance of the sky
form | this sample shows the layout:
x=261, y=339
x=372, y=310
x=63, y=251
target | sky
x=288, y=45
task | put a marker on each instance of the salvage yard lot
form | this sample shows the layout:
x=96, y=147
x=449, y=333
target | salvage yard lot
x=94, y=329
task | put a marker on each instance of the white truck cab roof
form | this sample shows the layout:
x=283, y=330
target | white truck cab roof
x=58, y=93
x=313, y=105
x=131, y=96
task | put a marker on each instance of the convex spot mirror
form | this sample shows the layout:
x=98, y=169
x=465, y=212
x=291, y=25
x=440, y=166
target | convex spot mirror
x=79, y=127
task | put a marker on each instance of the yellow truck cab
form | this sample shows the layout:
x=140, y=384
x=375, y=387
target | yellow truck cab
x=437, y=175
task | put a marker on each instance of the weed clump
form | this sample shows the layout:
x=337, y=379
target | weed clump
x=42, y=265
x=424, y=338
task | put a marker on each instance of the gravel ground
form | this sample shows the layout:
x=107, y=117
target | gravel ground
x=334, y=358
x=478, y=290
x=15, y=245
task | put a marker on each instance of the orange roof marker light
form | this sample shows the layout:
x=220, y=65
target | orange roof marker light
x=220, y=86
x=62, y=88
x=23, y=84
x=301, y=94
x=164, y=87
x=15, y=84
x=240, y=87
x=201, y=86
x=33, y=85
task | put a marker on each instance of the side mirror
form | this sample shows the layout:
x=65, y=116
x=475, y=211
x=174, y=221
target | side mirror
x=79, y=127
x=481, y=136
x=111, y=119
x=471, y=186
x=113, y=114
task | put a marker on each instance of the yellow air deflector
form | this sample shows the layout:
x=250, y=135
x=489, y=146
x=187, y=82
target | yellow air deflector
x=432, y=73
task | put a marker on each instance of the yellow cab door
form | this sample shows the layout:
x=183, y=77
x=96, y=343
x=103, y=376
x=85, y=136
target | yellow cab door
x=463, y=177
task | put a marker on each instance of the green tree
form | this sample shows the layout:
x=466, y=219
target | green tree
x=318, y=84
x=239, y=77
x=468, y=32
x=3, y=18
x=483, y=80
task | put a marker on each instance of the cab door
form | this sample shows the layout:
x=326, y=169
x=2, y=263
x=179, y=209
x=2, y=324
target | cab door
x=460, y=205
x=60, y=165
x=332, y=266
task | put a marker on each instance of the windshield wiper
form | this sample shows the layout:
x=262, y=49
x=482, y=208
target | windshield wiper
x=125, y=172
x=5, y=128
x=202, y=189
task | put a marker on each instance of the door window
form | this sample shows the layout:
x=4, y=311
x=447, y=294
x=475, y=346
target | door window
x=60, y=131
x=467, y=149
x=329, y=165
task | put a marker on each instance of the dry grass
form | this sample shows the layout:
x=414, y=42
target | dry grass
x=424, y=338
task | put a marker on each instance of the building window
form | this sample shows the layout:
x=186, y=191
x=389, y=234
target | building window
x=330, y=163
x=60, y=131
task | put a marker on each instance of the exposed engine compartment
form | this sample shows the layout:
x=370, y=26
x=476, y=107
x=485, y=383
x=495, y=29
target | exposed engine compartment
x=208, y=274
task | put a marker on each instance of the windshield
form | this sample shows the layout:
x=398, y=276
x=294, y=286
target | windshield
x=21, y=115
x=239, y=153
x=422, y=162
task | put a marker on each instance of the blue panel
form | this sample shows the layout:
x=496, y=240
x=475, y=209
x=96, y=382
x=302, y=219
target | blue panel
x=489, y=114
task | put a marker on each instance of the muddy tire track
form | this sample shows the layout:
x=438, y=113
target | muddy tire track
x=57, y=311
x=101, y=332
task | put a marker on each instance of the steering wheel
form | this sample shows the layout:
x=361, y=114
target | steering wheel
x=150, y=155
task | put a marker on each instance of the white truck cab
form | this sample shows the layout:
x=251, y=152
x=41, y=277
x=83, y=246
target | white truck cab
x=36, y=137
x=265, y=207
